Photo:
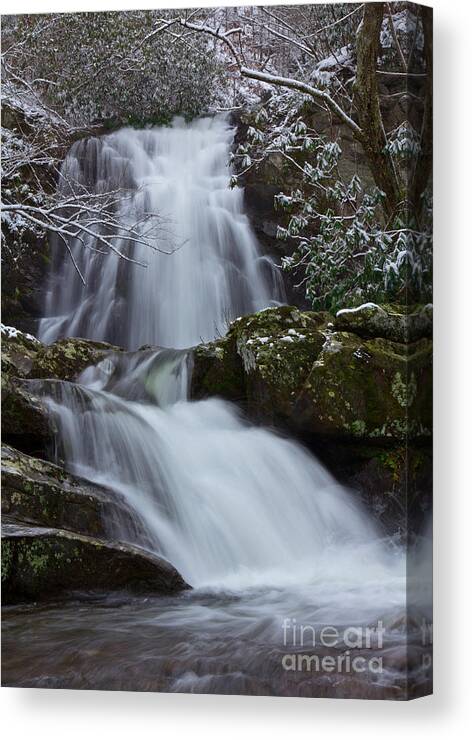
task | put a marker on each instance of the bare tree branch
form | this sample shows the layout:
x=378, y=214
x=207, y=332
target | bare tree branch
x=319, y=95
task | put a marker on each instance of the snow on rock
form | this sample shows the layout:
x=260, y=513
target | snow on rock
x=357, y=309
x=10, y=332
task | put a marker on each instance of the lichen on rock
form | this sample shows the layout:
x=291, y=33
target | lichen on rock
x=18, y=351
x=298, y=369
x=39, y=562
x=67, y=358
x=40, y=493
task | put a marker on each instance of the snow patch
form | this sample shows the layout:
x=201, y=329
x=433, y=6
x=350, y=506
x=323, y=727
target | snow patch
x=360, y=308
x=11, y=332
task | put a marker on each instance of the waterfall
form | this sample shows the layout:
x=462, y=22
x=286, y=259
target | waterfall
x=206, y=269
x=224, y=501
x=231, y=505
x=266, y=537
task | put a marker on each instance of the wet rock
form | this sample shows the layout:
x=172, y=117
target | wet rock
x=38, y=562
x=396, y=484
x=217, y=371
x=25, y=356
x=368, y=389
x=262, y=359
x=277, y=348
x=40, y=493
x=26, y=363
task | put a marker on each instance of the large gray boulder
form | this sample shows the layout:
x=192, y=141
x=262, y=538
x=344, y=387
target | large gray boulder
x=395, y=322
x=57, y=536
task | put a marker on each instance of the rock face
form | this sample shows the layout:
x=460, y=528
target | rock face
x=67, y=358
x=25, y=419
x=25, y=356
x=295, y=369
x=56, y=536
x=38, y=562
x=18, y=351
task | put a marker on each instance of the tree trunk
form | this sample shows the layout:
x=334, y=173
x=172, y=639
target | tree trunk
x=367, y=101
x=422, y=171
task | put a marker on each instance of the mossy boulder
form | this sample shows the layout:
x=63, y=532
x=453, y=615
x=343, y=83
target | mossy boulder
x=40, y=493
x=25, y=363
x=217, y=371
x=38, y=562
x=292, y=368
x=262, y=360
x=395, y=322
x=67, y=358
x=277, y=348
x=367, y=388
x=18, y=351
x=24, y=356
x=24, y=414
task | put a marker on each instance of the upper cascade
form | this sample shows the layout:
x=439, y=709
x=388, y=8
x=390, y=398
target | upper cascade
x=206, y=268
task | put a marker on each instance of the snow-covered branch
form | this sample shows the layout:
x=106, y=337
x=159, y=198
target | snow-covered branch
x=92, y=217
x=318, y=94
x=293, y=84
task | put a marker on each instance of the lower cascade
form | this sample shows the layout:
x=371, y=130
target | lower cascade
x=227, y=503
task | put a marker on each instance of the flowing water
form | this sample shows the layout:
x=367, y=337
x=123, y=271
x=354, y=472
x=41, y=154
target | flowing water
x=208, y=269
x=273, y=547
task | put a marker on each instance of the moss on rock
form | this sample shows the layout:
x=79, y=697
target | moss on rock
x=217, y=371
x=67, y=358
x=293, y=368
x=399, y=323
x=396, y=485
x=18, y=351
x=367, y=389
x=276, y=349
x=25, y=361
x=40, y=562
x=38, y=492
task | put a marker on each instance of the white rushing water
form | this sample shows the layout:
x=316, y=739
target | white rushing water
x=214, y=272
x=238, y=509
x=227, y=503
